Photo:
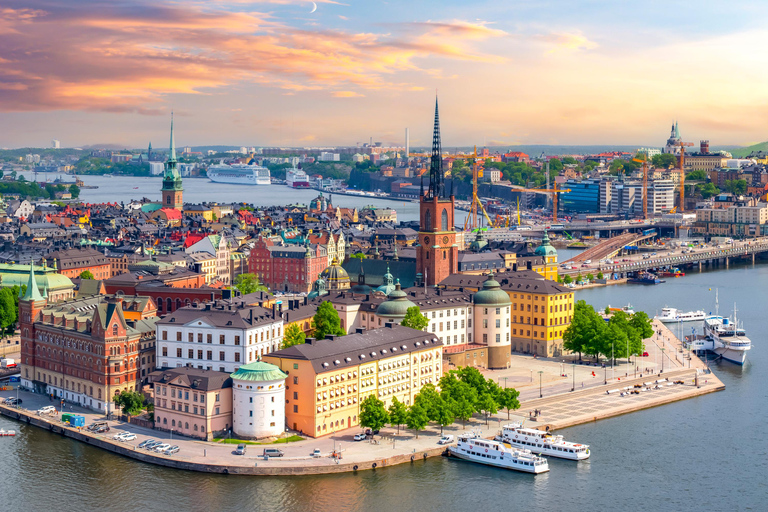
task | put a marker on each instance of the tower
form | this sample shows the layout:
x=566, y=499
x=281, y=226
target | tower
x=438, y=254
x=172, y=189
x=30, y=305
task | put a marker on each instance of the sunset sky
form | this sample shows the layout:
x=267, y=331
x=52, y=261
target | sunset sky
x=273, y=73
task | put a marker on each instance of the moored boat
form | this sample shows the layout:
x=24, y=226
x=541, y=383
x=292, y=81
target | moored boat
x=5, y=433
x=672, y=315
x=542, y=442
x=472, y=447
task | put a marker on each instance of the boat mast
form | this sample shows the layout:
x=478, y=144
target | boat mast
x=717, y=302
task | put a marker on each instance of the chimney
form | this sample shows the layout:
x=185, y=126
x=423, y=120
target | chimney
x=310, y=341
x=331, y=337
x=360, y=330
x=389, y=325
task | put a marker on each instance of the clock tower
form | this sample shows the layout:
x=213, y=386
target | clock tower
x=437, y=254
x=172, y=189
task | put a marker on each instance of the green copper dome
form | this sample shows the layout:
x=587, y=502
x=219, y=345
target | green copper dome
x=479, y=243
x=491, y=294
x=397, y=304
x=387, y=287
x=545, y=249
x=258, y=371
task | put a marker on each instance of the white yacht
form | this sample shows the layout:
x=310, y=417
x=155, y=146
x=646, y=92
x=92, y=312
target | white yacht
x=729, y=341
x=239, y=174
x=472, y=447
x=542, y=442
x=673, y=315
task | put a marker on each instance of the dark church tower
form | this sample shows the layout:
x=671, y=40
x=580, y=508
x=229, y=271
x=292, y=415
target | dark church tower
x=172, y=190
x=438, y=254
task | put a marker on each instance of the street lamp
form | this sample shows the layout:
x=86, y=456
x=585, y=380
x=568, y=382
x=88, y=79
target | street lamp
x=540, y=394
x=605, y=374
x=573, y=371
x=531, y=375
x=662, y=360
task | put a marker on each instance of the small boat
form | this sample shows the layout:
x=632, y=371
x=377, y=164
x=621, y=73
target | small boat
x=5, y=433
x=645, y=278
x=542, y=442
x=673, y=315
x=135, y=188
x=472, y=447
x=675, y=272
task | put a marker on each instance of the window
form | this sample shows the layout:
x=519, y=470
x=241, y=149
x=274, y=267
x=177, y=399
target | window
x=485, y=323
x=295, y=380
x=444, y=221
x=237, y=357
x=485, y=338
x=237, y=340
x=221, y=339
x=498, y=338
x=209, y=353
x=217, y=397
x=191, y=354
x=165, y=351
x=165, y=335
x=191, y=337
x=178, y=352
x=199, y=337
x=209, y=338
x=221, y=356
x=498, y=323
x=199, y=354
x=295, y=409
x=295, y=367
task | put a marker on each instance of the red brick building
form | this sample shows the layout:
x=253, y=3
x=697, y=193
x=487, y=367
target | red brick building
x=170, y=292
x=290, y=268
x=73, y=262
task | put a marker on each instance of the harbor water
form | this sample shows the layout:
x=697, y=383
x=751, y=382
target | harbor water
x=702, y=454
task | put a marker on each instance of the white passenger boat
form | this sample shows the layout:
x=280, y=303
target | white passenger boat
x=728, y=340
x=296, y=178
x=542, y=442
x=673, y=315
x=472, y=447
x=239, y=174
x=4, y=433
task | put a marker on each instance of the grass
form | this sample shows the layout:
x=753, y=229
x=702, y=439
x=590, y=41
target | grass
x=282, y=440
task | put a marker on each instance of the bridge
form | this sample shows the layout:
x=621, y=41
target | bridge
x=706, y=257
x=610, y=247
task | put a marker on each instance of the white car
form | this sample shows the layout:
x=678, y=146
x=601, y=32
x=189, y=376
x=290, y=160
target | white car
x=162, y=447
x=447, y=439
x=128, y=437
x=117, y=436
x=48, y=409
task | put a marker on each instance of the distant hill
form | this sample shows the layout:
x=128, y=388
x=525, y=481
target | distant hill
x=743, y=152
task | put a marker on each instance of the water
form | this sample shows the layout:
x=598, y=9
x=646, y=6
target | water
x=706, y=453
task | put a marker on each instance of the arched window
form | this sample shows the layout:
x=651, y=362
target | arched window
x=444, y=220
x=178, y=303
x=428, y=220
x=114, y=330
x=186, y=426
x=169, y=305
x=168, y=199
x=173, y=423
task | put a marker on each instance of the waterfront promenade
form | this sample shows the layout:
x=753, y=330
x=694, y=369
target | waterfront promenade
x=560, y=407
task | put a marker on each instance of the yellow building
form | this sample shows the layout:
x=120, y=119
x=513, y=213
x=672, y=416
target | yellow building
x=204, y=263
x=328, y=379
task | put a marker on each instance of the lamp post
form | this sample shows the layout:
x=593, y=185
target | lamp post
x=531, y=375
x=573, y=371
x=605, y=375
x=540, y=394
x=505, y=381
x=662, y=360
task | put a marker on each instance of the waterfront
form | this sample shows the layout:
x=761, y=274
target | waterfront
x=675, y=457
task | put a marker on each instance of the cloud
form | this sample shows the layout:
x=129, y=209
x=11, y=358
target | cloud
x=347, y=94
x=568, y=42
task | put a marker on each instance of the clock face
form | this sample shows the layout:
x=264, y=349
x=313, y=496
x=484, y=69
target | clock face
x=445, y=239
x=426, y=239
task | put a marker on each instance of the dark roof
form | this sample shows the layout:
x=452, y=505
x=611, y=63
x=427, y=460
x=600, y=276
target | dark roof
x=476, y=281
x=354, y=349
x=192, y=378
x=405, y=271
x=222, y=314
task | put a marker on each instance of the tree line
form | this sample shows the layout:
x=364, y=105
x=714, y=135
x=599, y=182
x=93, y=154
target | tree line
x=621, y=336
x=461, y=394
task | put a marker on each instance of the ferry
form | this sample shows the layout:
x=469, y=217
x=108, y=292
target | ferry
x=296, y=178
x=673, y=315
x=542, y=442
x=728, y=340
x=645, y=278
x=472, y=447
x=239, y=174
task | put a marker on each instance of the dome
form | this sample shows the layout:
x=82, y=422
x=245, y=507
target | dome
x=318, y=289
x=396, y=305
x=258, y=371
x=479, y=243
x=545, y=249
x=387, y=286
x=491, y=294
x=335, y=277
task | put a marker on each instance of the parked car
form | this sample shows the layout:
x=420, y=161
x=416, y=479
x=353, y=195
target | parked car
x=316, y=453
x=144, y=443
x=446, y=439
x=48, y=409
x=645, y=354
x=360, y=437
x=128, y=437
x=101, y=429
x=273, y=452
x=117, y=436
x=240, y=450
x=173, y=449
x=370, y=432
x=150, y=445
x=98, y=426
x=13, y=401
x=161, y=447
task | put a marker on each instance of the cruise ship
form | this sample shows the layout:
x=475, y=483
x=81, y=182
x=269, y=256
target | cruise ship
x=296, y=178
x=673, y=315
x=472, y=447
x=239, y=174
x=542, y=442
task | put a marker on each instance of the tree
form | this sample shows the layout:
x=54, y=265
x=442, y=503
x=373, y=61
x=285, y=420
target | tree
x=664, y=161
x=359, y=256
x=74, y=190
x=569, y=160
x=86, y=274
x=708, y=190
x=460, y=395
x=599, y=274
x=327, y=321
x=507, y=399
x=293, y=335
x=414, y=319
x=373, y=414
x=736, y=187
x=131, y=402
x=398, y=413
x=585, y=327
x=590, y=277
x=8, y=310
x=249, y=283
x=567, y=279
x=417, y=418
x=697, y=175
x=487, y=405
x=443, y=409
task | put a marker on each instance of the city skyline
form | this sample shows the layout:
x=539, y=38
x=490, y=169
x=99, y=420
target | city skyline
x=274, y=73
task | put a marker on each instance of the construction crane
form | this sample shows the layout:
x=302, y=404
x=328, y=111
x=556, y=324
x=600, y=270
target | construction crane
x=644, y=161
x=554, y=191
x=682, y=146
x=471, y=220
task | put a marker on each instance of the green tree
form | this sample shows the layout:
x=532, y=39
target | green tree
x=293, y=335
x=74, y=190
x=131, y=402
x=737, y=187
x=708, y=190
x=590, y=277
x=460, y=395
x=372, y=413
x=697, y=175
x=9, y=312
x=507, y=398
x=664, y=161
x=86, y=274
x=398, y=413
x=555, y=165
x=359, y=256
x=414, y=319
x=567, y=279
x=642, y=325
x=249, y=283
x=600, y=275
x=585, y=327
x=569, y=160
x=327, y=321
x=487, y=405
x=417, y=418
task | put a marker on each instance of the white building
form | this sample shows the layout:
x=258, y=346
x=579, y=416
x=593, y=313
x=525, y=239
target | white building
x=156, y=168
x=55, y=144
x=258, y=400
x=221, y=336
x=329, y=157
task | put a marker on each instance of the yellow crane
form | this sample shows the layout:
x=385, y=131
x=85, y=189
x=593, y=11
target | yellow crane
x=471, y=221
x=554, y=191
x=644, y=161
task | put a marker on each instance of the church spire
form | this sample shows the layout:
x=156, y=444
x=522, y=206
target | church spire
x=677, y=131
x=172, y=157
x=32, y=292
x=436, y=186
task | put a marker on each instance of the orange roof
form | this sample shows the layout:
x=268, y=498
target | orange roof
x=171, y=213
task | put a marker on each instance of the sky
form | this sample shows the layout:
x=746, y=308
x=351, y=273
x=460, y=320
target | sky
x=303, y=73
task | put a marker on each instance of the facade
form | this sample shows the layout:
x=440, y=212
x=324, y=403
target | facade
x=220, y=335
x=328, y=379
x=193, y=402
x=736, y=221
x=584, y=196
x=172, y=191
x=258, y=395
x=52, y=285
x=73, y=262
x=82, y=350
x=217, y=248
x=290, y=268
